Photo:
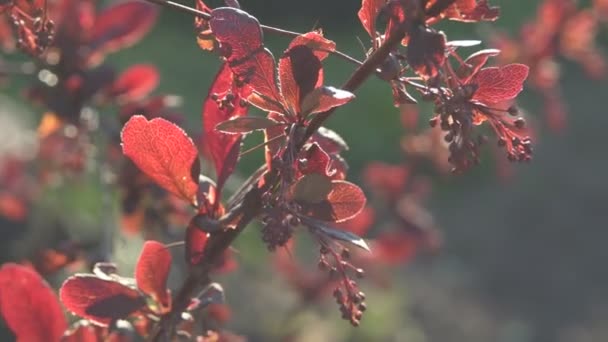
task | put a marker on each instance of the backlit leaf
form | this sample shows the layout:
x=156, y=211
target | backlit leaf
x=497, y=84
x=99, y=300
x=299, y=71
x=29, y=306
x=324, y=98
x=245, y=124
x=241, y=38
x=225, y=100
x=165, y=153
x=344, y=202
x=314, y=40
x=368, y=13
x=152, y=271
x=474, y=63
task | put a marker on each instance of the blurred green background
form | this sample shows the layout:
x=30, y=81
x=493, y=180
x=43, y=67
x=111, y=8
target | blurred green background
x=523, y=260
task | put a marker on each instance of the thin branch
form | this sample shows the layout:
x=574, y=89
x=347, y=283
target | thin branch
x=193, y=11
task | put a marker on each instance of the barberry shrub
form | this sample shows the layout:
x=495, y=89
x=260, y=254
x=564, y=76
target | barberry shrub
x=300, y=187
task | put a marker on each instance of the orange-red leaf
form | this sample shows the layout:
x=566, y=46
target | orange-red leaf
x=299, y=71
x=29, y=306
x=152, y=271
x=99, y=300
x=165, y=153
x=320, y=45
x=497, y=84
x=368, y=13
x=344, y=202
x=120, y=26
x=135, y=83
x=225, y=100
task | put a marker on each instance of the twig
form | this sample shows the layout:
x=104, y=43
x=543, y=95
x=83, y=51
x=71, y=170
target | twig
x=250, y=207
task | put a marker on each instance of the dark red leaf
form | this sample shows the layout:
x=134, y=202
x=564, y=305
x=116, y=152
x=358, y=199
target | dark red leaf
x=135, y=83
x=152, y=271
x=272, y=138
x=368, y=13
x=165, y=153
x=246, y=124
x=426, y=51
x=497, y=84
x=344, y=202
x=99, y=300
x=320, y=45
x=29, y=306
x=315, y=160
x=396, y=16
x=299, y=71
x=225, y=100
x=241, y=38
x=324, y=98
x=239, y=32
x=120, y=26
x=196, y=240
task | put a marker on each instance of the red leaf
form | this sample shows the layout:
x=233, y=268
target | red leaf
x=368, y=13
x=242, y=125
x=165, y=153
x=299, y=71
x=135, y=83
x=196, y=240
x=241, y=38
x=120, y=26
x=324, y=98
x=239, y=32
x=320, y=45
x=224, y=101
x=344, y=202
x=497, y=84
x=29, y=306
x=99, y=300
x=426, y=51
x=152, y=271
x=272, y=138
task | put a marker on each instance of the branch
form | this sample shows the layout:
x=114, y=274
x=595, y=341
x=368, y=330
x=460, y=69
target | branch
x=251, y=207
x=200, y=14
